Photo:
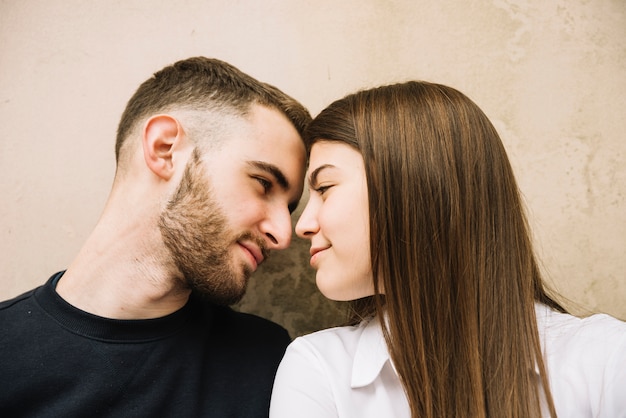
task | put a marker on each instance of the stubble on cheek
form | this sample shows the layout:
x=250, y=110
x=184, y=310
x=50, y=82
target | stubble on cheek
x=194, y=231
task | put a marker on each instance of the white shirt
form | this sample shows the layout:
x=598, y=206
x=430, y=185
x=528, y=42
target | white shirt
x=347, y=371
x=586, y=362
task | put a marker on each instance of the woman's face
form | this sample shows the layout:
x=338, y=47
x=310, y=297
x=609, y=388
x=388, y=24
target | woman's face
x=336, y=221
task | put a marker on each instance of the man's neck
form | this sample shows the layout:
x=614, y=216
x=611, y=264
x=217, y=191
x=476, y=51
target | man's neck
x=118, y=281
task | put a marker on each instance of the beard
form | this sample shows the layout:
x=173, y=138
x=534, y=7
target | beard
x=194, y=230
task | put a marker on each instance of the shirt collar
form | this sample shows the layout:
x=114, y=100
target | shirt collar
x=371, y=354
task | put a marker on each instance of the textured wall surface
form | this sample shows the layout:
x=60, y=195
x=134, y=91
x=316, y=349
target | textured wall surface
x=549, y=73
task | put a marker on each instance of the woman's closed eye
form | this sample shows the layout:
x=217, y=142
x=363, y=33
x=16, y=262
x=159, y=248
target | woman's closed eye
x=321, y=189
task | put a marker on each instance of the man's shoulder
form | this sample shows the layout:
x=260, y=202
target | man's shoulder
x=25, y=297
x=226, y=321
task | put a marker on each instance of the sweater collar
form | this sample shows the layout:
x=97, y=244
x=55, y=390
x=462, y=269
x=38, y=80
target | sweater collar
x=106, y=329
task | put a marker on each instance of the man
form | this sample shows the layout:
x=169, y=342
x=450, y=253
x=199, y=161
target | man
x=210, y=164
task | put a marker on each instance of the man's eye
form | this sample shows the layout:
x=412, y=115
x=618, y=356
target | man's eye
x=267, y=185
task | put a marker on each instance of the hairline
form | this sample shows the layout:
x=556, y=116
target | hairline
x=217, y=114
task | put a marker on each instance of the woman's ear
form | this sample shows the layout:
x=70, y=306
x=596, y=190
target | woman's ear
x=161, y=135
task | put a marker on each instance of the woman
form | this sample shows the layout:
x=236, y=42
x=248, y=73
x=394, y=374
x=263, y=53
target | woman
x=415, y=216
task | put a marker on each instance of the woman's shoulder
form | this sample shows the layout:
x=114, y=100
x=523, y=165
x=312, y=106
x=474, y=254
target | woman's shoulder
x=586, y=362
x=340, y=345
x=587, y=346
x=345, y=338
x=558, y=326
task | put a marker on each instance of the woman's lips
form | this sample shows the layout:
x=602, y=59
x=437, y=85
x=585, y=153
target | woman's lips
x=315, y=252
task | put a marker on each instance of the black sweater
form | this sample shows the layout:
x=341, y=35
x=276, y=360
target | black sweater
x=201, y=361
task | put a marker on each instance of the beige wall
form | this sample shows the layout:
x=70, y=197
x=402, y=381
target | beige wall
x=551, y=74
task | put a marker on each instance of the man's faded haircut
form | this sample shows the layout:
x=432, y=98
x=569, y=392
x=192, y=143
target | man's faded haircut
x=201, y=83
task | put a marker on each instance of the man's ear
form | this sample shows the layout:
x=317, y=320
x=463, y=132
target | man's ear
x=161, y=136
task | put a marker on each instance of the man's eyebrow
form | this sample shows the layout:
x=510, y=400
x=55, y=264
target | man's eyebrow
x=273, y=170
x=315, y=173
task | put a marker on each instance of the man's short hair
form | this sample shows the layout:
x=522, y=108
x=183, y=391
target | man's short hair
x=201, y=83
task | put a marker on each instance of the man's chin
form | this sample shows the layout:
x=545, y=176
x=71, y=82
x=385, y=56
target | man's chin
x=220, y=298
x=222, y=286
x=225, y=295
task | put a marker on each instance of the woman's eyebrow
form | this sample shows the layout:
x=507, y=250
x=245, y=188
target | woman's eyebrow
x=315, y=173
x=273, y=170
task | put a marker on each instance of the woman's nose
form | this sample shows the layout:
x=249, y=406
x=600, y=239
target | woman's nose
x=307, y=223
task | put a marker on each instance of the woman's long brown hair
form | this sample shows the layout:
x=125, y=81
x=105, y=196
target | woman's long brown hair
x=456, y=273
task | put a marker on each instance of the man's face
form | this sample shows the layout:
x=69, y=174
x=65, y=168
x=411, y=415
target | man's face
x=233, y=205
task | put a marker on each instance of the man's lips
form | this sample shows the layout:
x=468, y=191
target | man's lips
x=257, y=255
